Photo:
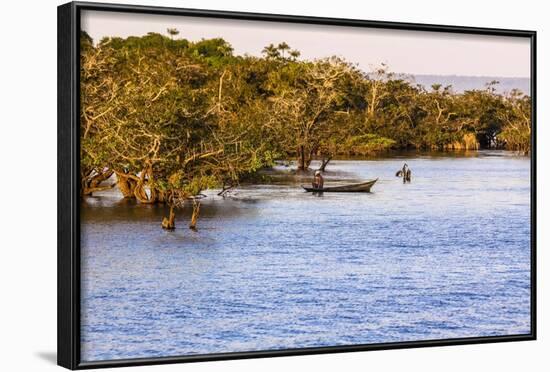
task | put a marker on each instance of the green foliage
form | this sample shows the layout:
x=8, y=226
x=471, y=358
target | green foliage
x=367, y=144
x=516, y=119
x=197, y=184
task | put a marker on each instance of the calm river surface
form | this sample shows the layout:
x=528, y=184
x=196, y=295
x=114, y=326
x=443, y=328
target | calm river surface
x=274, y=267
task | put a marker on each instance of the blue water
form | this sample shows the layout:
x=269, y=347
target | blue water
x=273, y=267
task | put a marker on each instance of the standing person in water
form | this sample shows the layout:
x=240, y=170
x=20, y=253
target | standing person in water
x=318, y=180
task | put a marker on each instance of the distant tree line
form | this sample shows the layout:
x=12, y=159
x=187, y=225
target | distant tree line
x=170, y=117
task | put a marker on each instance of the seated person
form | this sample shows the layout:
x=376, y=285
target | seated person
x=317, y=180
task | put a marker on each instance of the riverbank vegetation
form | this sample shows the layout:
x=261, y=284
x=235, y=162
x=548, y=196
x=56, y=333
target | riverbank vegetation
x=170, y=117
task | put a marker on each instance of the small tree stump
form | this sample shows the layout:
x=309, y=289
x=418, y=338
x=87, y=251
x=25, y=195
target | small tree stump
x=169, y=223
x=195, y=215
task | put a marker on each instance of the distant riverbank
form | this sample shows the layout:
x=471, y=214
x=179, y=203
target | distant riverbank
x=464, y=83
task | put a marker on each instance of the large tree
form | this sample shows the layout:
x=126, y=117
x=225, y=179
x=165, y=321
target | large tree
x=305, y=102
x=158, y=118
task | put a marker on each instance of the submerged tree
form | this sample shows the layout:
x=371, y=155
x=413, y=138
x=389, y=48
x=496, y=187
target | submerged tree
x=156, y=120
x=306, y=99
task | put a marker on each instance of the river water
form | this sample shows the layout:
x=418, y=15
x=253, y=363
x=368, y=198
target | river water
x=273, y=267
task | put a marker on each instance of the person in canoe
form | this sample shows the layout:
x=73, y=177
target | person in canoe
x=318, y=180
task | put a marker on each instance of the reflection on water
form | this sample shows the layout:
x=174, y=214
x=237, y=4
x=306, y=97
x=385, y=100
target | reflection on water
x=273, y=267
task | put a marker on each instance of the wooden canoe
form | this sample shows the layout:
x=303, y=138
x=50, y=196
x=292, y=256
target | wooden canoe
x=356, y=187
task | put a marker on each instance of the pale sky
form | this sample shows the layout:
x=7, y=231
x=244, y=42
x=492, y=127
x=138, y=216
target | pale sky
x=411, y=52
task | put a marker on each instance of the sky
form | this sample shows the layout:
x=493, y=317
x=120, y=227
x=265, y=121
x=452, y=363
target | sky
x=410, y=52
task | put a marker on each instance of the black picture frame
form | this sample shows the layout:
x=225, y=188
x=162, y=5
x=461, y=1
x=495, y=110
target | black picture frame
x=68, y=249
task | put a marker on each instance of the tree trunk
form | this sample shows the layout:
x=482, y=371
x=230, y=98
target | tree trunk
x=308, y=162
x=169, y=223
x=324, y=163
x=90, y=182
x=100, y=177
x=162, y=196
x=305, y=157
x=145, y=178
x=310, y=155
x=225, y=189
x=195, y=215
x=141, y=194
x=126, y=185
x=301, y=158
